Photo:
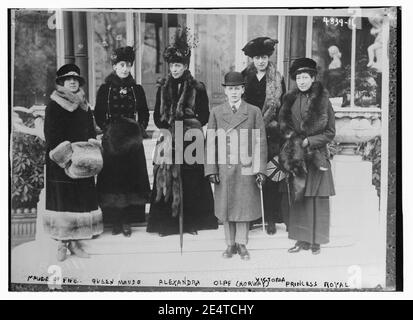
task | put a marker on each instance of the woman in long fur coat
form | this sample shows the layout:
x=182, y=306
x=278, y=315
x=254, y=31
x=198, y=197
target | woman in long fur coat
x=264, y=88
x=180, y=97
x=307, y=117
x=71, y=202
x=122, y=113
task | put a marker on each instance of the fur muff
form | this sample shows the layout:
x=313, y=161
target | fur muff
x=79, y=159
x=171, y=110
x=273, y=91
x=317, y=116
x=122, y=136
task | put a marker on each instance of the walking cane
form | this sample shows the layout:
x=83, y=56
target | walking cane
x=262, y=207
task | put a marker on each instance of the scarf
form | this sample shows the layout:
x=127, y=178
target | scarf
x=68, y=100
x=273, y=90
x=171, y=107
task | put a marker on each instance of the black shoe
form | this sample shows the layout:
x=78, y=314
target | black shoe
x=126, y=229
x=243, y=252
x=230, y=251
x=299, y=245
x=271, y=228
x=315, y=249
x=193, y=232
x=116, y=229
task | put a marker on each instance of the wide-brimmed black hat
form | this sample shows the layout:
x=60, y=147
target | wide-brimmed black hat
x=259, y=47
x=233, y=78
x=303, y=65
x=123, y=54
x=69, y=70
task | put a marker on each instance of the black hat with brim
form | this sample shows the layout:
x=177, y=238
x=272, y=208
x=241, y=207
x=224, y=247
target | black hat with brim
x=302, y=65
x=233, y=78
x=69, y=71
x=260, y=46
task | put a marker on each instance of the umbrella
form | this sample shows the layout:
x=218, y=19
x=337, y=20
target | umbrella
x=181, y=214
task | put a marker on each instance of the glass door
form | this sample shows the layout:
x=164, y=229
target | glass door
x=157, y=31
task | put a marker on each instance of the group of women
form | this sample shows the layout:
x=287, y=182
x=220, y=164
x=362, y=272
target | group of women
x=122, y=186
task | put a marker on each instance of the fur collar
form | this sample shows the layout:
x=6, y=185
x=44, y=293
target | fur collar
x=317, y=117
x=177, y=108
x=114, y=80
x=68, y=100
x=273, y=90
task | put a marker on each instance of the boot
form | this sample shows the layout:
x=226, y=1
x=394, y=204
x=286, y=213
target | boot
x=75, y=249
x=117, y=226
x=243, y=252
x=61, y=251
x=271, y=229
x=315, y=249
x=230, y=251
x=125, y=225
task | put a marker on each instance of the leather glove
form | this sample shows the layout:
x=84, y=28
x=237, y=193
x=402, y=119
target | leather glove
x=213, y=178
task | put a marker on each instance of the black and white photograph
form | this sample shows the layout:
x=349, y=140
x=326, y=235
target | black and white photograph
x=203, y=149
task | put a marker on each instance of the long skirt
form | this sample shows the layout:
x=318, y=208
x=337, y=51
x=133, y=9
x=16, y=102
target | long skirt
x=123, y=186
x=310, y=220
x=198, y=205
x=71, y=210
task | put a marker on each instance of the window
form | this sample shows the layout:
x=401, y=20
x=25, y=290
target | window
x=34, y=57
x=215, y=53
x=264, y=26
x=342, y=56
x=109, y=33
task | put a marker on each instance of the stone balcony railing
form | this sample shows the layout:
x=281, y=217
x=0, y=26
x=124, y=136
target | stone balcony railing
x=355, y=125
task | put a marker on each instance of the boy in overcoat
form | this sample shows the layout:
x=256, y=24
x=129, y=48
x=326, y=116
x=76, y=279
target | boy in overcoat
x=238, y=164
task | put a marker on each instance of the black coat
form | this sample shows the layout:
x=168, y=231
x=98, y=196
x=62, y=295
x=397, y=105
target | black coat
x=62, y=192
x=123, y=181
x=198, y=205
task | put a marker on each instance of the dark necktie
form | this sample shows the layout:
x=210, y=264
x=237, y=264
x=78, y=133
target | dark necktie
x=234, y=109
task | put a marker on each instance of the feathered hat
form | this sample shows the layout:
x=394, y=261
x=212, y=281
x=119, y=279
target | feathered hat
x=180, y=50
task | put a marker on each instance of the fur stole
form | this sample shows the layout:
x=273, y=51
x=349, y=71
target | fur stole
x=273, y=91
x=68, y=100
x=169, y=186
x=317, y=116
x=173, y=108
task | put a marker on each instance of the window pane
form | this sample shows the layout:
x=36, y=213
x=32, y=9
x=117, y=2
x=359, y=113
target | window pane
x=215, y=53
x=35, y=57
x=109, y=33
x=264, y=26
x=331, y=49
x=368, y=75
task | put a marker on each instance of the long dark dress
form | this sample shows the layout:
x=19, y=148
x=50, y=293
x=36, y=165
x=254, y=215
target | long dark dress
x=255, y=94
x=198, y=203
x=71, y=204
x=310, y=218
x=123, y=184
